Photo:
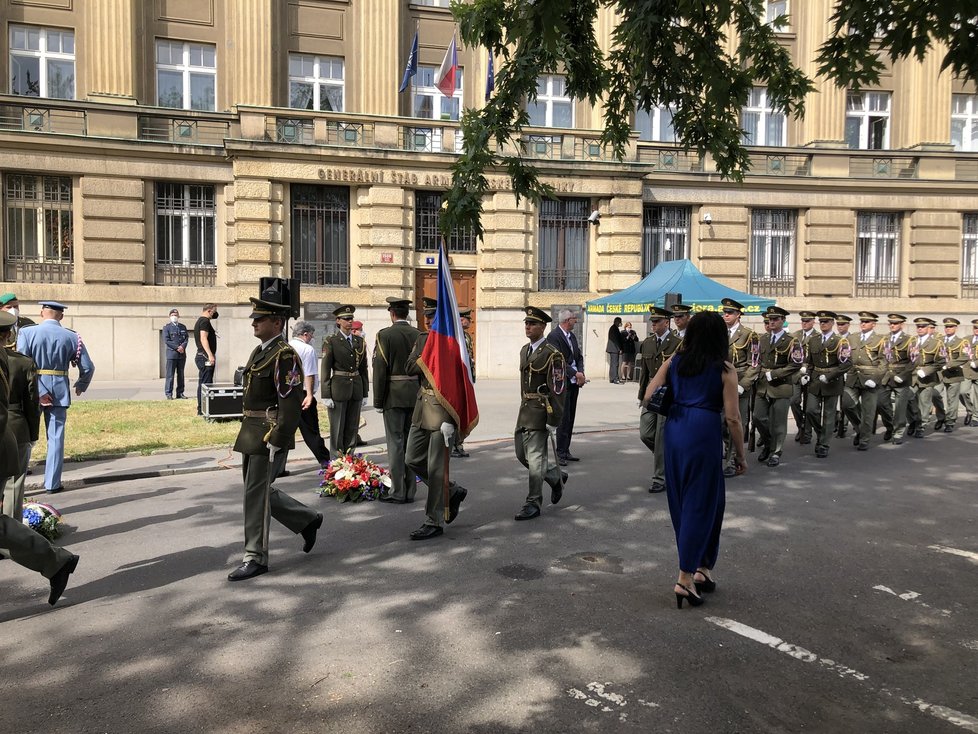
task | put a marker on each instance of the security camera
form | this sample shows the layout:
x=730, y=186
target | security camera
x=594, y=217
x=707, y=218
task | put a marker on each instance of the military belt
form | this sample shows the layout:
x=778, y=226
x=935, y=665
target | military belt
x=59, y=373
x=404, y=378
x=538, y=396
x=269, y=413
x=339, y=373
x=15, y=406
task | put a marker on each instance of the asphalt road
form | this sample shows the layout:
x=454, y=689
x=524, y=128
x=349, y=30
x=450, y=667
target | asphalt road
x=846, y=603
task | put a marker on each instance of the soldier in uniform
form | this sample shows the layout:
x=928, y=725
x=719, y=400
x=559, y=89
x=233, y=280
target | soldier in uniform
x=969, y=388
x=952, y=374
x=658, y=347
x=825, y=370
x=842, y=324
x=344, y=381
x=53, y=349
x=681, y=313
x=861, y=394
x=432, y=429
x=542, y=389
x=395, y=395
x=928, y=359
x=9, y=302
x=780, y=356
x=24, y=546
x=23, y=420
x=895, y=398
x=272, y=405
x=799, y=391
x=744, y=355
x=465, y=317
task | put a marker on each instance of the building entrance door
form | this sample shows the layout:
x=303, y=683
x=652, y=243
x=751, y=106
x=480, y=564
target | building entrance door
x=426, y=284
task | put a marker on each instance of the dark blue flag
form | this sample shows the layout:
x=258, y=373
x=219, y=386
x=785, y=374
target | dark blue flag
x=490, y=78
x=411, y=68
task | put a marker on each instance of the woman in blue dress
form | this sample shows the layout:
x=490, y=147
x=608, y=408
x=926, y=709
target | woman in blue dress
x=703, y=385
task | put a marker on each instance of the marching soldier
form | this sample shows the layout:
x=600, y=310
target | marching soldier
x=842, y=324
x=969, y=388
x=928, y=359
x=542, y=405
x=825, y=369
x=272, y=405
x=861, y=394
x=744, y=356
x=780, y=356
x=952, y=374
x=895, y=398
x=23, y=421
x=345, y=382
x=465, y=318
x=432, y=429
x=798, y=391
x=395, y=395
x=658, y=347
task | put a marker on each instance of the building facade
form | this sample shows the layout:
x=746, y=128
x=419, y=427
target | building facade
x=172, y=152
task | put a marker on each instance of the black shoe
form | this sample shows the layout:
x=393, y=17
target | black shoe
x=805, y=441
x=948, y=428
x=938, y=424
x=454, y=502
x=855, y=440
x=182, y=397
x=897, y=441
x=841, y=433
x=359, y=441
x=774, y=460
x=967, y=419
x=60, y=580
x=729, y=471
x=657, y=487
x=888, y=434
x=798, y=437
x=247, y=570
x=561, y=461
x=169, y=397
x=821, y=452
x=862, y=447
x=56, y=490
x=764, y=455
x=691, y=596
x=918, y=434
x=528, y=512
x=283, y=474
x=459, y=453
x=309, y=533
x=426, y=532
x=392, y=500
x=557, y=488
x=570, y=457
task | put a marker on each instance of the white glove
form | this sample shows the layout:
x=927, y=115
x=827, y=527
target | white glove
x=823, y=379
x=379, y=410
x=805, y=379
x=328, y=402
x=552, y=430
x=921, y=374
x=364, y=403
x=974, y=365
x=641, y=404
x=870, y=383
x=272, y=450
x=447, y=430
x=804, y=369
x=767, y=376
x=898, y=380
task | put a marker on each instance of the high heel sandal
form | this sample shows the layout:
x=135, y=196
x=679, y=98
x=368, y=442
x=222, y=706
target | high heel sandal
x=709, y=585
x=690, y=596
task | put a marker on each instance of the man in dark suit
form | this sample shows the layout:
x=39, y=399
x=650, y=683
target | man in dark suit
x=615, y=347
x=563, y=338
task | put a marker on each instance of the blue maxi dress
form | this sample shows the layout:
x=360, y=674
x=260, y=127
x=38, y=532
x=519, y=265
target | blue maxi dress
x=694, y=464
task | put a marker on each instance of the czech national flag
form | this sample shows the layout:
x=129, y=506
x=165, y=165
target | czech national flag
x=445, y=360
x=445, y=78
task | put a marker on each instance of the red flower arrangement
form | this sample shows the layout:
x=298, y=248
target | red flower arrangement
x=352, y=478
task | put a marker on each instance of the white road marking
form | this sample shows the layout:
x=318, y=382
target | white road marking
x=959, y=719
x=912, y=596
x=600, y=695
x=955, y=552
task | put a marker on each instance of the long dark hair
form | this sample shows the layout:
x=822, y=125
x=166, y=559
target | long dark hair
x=707, y=342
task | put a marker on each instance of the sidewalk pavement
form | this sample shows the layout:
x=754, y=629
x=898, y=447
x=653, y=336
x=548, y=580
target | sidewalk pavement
x=601, y=407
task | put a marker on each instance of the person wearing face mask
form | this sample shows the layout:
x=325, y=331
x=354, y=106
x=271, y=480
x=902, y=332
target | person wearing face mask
x=9, y=302
x=206, y=359
x=176, y=338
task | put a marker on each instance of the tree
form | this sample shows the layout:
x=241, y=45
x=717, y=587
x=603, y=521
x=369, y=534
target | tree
x=674, y=53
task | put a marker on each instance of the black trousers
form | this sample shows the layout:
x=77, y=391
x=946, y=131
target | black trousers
x=309, y=428
x=566, y=428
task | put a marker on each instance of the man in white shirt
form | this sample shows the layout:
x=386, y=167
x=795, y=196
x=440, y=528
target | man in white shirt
x=302, y=334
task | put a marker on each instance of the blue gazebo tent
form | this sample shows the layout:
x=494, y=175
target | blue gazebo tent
x=675, y=276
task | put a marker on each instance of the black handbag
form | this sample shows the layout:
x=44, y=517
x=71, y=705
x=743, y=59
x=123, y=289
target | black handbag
x=661, y=400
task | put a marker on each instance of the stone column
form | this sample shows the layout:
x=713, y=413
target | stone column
x=252, y=31
x=112, y=57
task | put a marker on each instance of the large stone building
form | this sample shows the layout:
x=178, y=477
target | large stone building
x=171, y=152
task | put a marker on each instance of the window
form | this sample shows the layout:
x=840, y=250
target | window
x=564, y=244
x=185, y=226
x=186, y=75
x=42, y=62
x=316, y=83
x=761, y=123
x=427, y=100
x=772, y=251
x=665, y=235
x=552, y=107
x=877, y=254
x=774, y=9
x=321, y=234
x=433, y=3
x=964, y=121
x=868, y=120
x=39, y=229
x=655, y=124
x=969, y=256
x=427, y=236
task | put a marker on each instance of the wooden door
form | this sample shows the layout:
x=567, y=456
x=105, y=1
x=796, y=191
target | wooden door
x=426, y=284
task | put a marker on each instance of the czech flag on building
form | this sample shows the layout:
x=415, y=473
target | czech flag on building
x=445, y=360
x=445, y=79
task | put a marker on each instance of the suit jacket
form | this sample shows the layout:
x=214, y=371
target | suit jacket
x=393, y=386
x=868, y=359
x=557, y=339
x=970, y=368
x=743, y=345
x=652, y=355
x=272, y=382
x=55, y=348
x=956, y=356
x=544, y=367
x=429, y=413
x=175, y=335
x=928, y=357
x=339, y=355
x=615, y=342
x=898, y=362
x=783, y=360
x=24, y=413
x=831, y=359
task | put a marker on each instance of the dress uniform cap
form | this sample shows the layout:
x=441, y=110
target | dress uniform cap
x=535, y=314
x=344, y=312
x=868, y=316
x=465, y=312
x=974, y=321
x=394, y=301
x=843, y=318
x=826, y=316
x=53, y=305
x=896, y=318
x=731, y=306
x=659, y=313
x=922, y=321
x=806, y=315
x=778, y=312
x=681, y=309
x=260, y=309
x=951, y=322
x=7, y=298
x=430, y=305
x=7, y=319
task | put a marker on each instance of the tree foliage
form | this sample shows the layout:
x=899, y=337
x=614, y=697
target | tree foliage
x=699, y=57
